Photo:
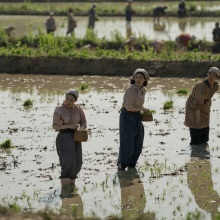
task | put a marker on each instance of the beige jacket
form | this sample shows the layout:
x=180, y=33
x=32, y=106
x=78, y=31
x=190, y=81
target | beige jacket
x=199, y=99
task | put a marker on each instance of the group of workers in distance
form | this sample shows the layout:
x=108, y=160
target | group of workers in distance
x=181, y=41
x=92, y=17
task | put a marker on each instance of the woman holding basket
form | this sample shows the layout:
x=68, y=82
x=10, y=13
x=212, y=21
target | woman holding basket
x=67, y=119
x=130, y=125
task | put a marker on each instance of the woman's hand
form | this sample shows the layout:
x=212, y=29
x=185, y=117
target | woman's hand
x=146, y=110
x=74, y=126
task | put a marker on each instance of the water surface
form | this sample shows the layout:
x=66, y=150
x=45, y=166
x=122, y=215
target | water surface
x=166, y=172
x=168, y=28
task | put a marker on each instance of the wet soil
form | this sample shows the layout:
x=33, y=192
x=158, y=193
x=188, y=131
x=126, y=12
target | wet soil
x=172, y=179
x=103, y=67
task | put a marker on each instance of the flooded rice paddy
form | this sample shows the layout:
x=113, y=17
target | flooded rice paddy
x=168, y=28
x=172, y=180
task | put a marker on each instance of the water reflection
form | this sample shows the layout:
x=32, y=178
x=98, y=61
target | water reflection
x=141, y=26
x=159, y=26
x=73, y=206
x=182, y=25
x=200, y=180
x=128, y=31
x=133, y=199
x=36, y=153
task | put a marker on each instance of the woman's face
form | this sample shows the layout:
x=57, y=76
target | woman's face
x=70, y=100
x=139, y=80
x=212, y=77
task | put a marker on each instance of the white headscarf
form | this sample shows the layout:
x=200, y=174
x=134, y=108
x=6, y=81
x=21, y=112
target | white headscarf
x=143, y=71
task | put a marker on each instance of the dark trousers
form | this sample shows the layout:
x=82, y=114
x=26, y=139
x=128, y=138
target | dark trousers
x=199, y=136
x=131, y=138
x=70, y=155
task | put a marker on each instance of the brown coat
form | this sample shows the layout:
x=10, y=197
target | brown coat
x=199, y=99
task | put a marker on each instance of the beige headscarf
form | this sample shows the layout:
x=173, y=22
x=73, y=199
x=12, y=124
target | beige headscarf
x=215, y=70
x=73, y=92
x=143, y=71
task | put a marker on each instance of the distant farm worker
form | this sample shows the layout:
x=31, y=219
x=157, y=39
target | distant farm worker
x=129, y=44
x=9, y=30
x=181, y=9
x=198, y=104
x=158, y=12
x=183, y=39
x=67, y=118
x=130, y=125
x=157, y=46
x=50, y=24
x=92, y=17
x=128, y=13
x=216, y=33
x=71, y=22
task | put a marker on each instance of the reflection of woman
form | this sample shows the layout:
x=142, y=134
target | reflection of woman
x=66, y=119
x=130, y=125
x=71, y=22
x=198, y=107
x=200, y=181
x=133, y=199
x=73, y=206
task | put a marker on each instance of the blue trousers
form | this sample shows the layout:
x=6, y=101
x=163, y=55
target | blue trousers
x=131, y=138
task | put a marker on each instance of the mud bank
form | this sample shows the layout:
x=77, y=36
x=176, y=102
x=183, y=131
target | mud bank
x=105, y=67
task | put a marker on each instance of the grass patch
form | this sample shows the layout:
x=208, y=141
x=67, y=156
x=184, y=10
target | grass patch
x=28, y=103
x=46, y=45
x=84, y=86
x=6, y=144
x=103, y=8
x=168, y=105
x=182, y=92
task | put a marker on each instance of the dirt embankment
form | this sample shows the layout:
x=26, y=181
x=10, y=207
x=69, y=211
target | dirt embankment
x=107, y=67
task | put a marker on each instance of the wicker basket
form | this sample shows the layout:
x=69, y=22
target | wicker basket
x=146, y=116
x=80, y=136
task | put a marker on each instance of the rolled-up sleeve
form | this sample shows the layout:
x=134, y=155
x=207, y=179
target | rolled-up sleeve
x=199, y=97
x=129, y=98
x=57, y=120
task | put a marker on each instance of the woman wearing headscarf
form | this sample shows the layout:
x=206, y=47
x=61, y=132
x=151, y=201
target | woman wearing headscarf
x=198, y=107
x=71, y=22
x=130, y=125
x=67, y=118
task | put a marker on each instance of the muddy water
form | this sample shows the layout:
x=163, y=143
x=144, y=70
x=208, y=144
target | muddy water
x=168, y=172
x=168, y=28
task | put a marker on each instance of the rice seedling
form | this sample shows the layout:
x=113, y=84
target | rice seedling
x=74, y=210
x=28, y=103
x=114, y=181
x=103, y=186
x=14, y=207
x=182, y=92
x=168, y=105
x=84, y=189
x=194, y=215
x=84, y=86
x=7, y=144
